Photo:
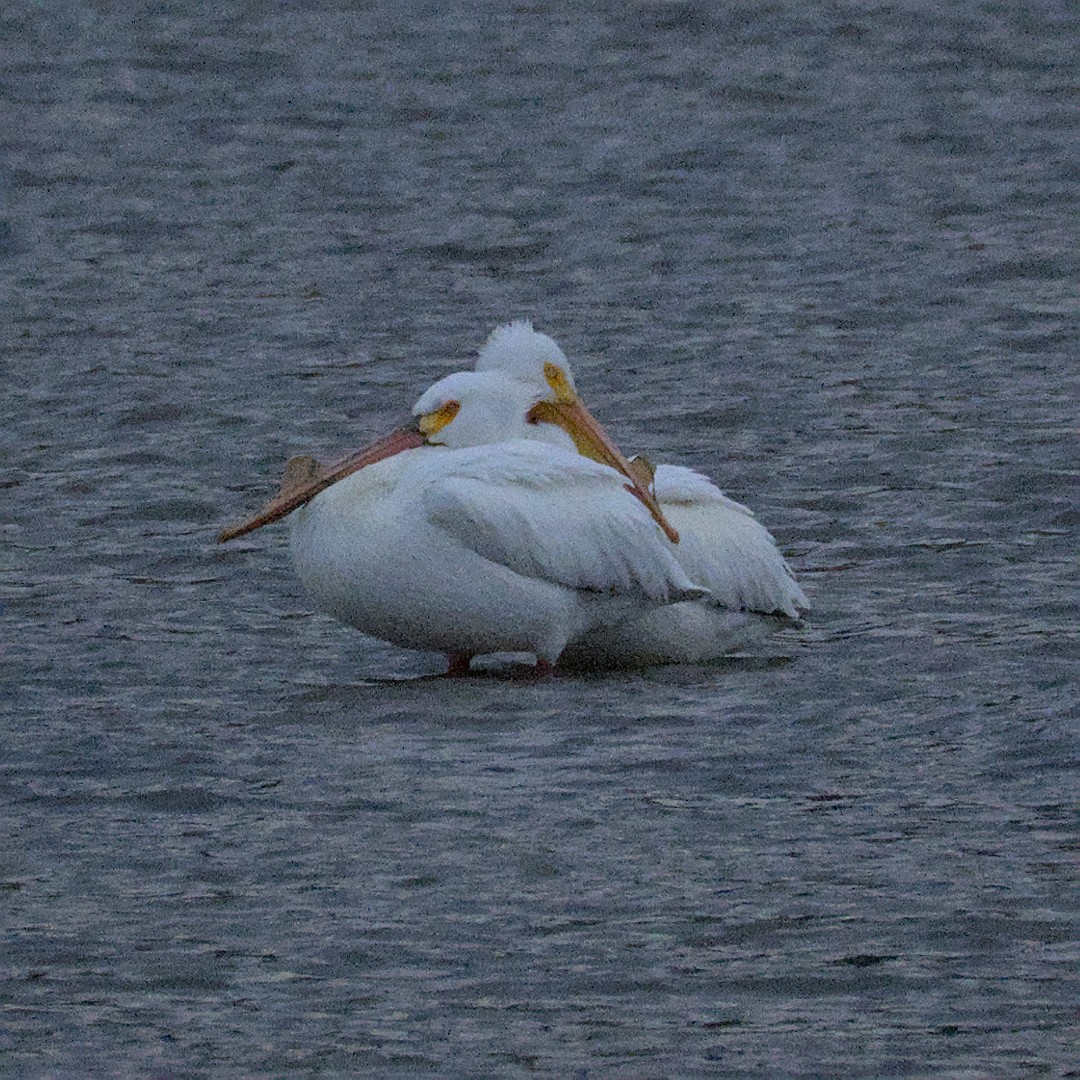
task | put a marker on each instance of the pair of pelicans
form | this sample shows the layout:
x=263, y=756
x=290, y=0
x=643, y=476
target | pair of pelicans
x=505, y=519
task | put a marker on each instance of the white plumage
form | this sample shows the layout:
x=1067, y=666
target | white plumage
x=722, y=546
x=506, y=520
x=515, y=546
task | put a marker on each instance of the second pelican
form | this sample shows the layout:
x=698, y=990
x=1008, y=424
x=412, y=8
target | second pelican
x=722, y=545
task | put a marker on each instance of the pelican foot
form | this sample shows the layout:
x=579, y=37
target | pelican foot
x=459, y=665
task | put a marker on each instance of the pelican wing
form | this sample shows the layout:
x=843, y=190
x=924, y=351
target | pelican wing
x=551, y=514
x=725, y=548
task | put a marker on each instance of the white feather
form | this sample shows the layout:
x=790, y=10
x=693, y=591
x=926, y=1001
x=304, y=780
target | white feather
x=514, y=547
x=725, y=548
x=551, y=514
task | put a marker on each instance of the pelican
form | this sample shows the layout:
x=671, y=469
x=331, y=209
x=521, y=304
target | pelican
x=721, y=544
x=480, y=528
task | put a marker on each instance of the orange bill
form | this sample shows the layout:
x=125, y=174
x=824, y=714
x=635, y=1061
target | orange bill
x=593, y=441
x=304, y=478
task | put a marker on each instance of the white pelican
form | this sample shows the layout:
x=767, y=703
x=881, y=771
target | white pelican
x=475, y=532
x=722, y=546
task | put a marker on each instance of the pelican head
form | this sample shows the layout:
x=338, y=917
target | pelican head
x=524, y=354
x=521, y=352
x=471, y=408
x=465, y=409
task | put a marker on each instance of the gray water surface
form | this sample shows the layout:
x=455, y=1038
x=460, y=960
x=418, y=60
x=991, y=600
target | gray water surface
x=825, y=253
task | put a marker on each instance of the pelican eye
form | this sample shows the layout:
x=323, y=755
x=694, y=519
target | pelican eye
x=432, y=422
x=558, y=381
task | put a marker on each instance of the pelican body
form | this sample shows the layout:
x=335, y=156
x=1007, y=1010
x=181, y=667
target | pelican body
x=480, y=530
x=721, y=544
x=471, y=552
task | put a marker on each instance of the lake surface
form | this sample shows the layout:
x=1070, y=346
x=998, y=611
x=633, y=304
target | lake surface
x=824, y=253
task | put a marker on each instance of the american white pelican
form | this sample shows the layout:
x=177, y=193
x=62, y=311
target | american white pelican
x=474, y=533
x=722, y=545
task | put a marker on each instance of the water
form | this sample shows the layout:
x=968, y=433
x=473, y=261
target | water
x=825, y=254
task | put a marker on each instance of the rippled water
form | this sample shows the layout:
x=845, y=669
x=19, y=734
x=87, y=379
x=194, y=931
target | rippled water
x=826, y=254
